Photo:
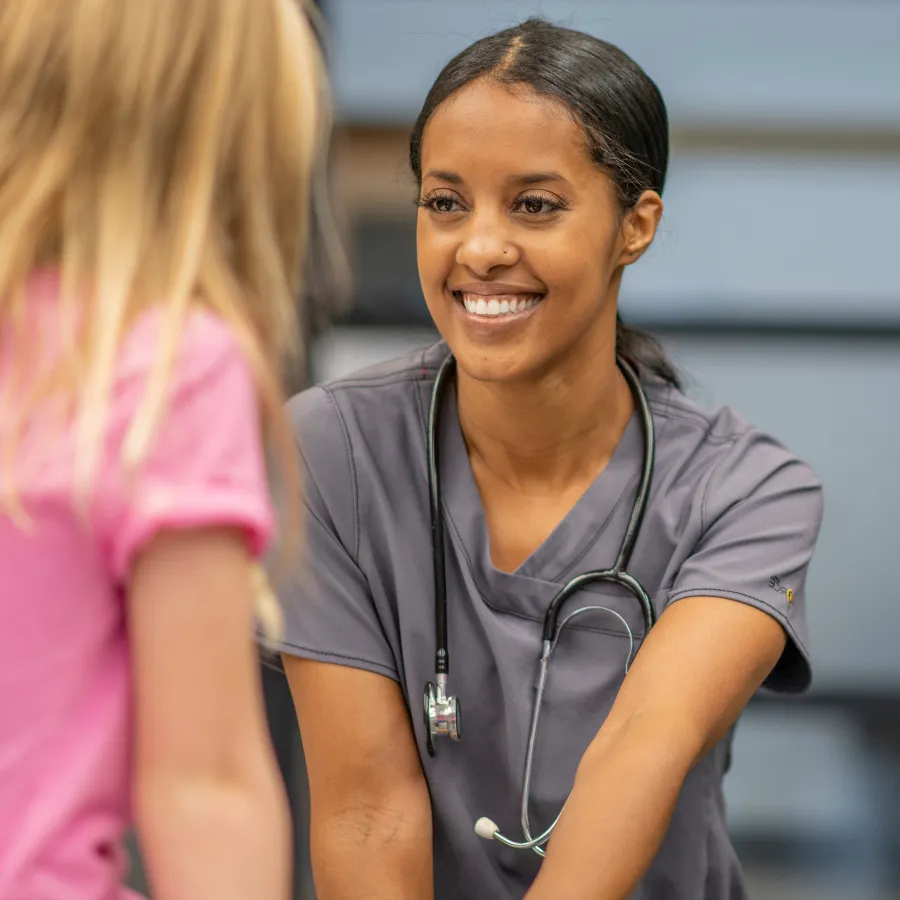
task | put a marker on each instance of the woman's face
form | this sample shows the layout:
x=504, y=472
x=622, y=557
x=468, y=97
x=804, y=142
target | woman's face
x=521, y=239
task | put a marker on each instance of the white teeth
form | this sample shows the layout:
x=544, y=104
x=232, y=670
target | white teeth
x=497, y=306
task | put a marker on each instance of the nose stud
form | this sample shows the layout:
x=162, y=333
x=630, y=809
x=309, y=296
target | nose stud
x=506, y=251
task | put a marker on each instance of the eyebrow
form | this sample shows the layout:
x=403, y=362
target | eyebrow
x=527, y=178
x=451, y=177
x=535, y=178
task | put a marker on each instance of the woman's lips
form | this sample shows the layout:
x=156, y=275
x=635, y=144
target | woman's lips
x=496, y=304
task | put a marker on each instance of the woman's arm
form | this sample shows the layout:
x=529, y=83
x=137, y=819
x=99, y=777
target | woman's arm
x=370, y=807
x=697, y=670
x=209, y=803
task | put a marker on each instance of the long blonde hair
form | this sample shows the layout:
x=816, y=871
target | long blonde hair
x=159, y=152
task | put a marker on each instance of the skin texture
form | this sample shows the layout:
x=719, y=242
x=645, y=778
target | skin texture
x=209, y=802
x=542, y=407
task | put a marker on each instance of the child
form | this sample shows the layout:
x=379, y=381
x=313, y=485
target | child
x=155, y=163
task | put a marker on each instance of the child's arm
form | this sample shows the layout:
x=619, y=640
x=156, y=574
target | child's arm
x=209, y=803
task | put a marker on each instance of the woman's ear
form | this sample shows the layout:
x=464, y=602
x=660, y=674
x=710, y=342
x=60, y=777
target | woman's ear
x=639, y=226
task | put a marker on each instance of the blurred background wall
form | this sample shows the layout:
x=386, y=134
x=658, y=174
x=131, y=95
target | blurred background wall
x=775, y=283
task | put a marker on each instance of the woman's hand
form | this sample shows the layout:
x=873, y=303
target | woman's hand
x=697, y=670
x=370, y=807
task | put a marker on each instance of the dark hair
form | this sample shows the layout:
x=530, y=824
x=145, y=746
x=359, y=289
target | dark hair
x=620, y=108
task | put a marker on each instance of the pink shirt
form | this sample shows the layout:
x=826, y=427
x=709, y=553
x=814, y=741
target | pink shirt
x=65, y=704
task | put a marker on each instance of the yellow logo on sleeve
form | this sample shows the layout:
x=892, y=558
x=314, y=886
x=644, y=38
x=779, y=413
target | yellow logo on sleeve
x=776, y=585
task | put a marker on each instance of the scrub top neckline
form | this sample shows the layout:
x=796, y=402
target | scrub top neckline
x=560, y=555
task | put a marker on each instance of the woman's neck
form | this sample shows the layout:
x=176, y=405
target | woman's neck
x=548, y=434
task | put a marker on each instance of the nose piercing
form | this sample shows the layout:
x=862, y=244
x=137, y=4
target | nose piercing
x=506, y=251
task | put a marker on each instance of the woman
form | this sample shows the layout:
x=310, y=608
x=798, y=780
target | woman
x=154, y=182
x=540, y=155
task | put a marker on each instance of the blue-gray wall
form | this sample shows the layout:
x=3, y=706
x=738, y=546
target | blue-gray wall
x=809, y=63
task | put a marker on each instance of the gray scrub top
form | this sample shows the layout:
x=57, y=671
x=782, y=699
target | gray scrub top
x=732, y=514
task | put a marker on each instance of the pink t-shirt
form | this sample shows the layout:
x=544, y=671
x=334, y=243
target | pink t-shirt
x=65, y=695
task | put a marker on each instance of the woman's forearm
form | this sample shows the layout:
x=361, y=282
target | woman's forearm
x=624, y=796
x=374, y=851
x=215, y=838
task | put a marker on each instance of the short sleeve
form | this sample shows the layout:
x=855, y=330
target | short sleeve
x=206, y=465
x=761, y=512
x=330, y=614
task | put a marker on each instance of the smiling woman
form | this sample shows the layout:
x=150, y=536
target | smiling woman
x=525, y=216
x=612, y=140
x=540, y=451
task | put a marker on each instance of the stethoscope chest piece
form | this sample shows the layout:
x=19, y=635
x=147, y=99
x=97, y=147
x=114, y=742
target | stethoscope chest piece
x=443, y=715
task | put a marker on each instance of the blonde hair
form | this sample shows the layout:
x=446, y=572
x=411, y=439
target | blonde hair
x=159, y=152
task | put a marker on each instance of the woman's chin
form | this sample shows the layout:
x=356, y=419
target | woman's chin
x=495, y=365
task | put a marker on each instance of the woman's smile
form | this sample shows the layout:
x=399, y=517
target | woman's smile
x=500, y=305
x=495, y=304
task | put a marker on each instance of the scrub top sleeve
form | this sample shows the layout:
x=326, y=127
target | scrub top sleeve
x=760, y=517
x=329, y=611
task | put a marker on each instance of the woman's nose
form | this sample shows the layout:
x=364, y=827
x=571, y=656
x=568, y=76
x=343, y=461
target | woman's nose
x=484, y=246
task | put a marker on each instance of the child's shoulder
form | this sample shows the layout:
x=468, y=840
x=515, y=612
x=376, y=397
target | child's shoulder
x=203, y=342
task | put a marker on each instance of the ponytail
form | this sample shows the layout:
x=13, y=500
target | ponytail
x=646, y=352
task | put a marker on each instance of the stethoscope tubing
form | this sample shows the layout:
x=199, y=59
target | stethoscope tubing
x=552, y=628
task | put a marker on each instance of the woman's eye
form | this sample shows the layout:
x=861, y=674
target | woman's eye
x=440, y=204
x=536, y=206
x=444, y=204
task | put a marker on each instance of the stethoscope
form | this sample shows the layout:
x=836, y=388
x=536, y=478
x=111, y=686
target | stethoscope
x=442, y=710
